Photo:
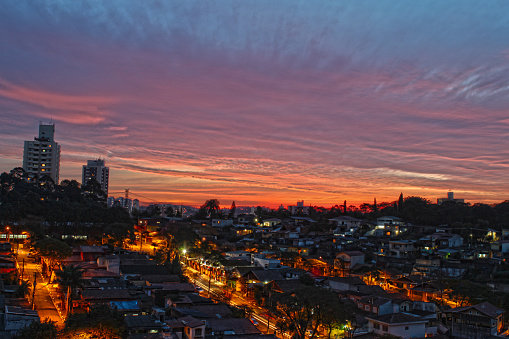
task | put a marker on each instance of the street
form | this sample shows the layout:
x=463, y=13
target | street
x=43, y=301
x=217, y=293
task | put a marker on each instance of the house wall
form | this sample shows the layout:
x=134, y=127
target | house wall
x=402, y=330
x=15, y=322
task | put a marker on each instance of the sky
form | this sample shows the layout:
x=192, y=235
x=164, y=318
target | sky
x=264, y=102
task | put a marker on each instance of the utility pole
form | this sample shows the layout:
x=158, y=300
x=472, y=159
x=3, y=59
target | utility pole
x=22, y=271
x=210, y=278
x=33, y=291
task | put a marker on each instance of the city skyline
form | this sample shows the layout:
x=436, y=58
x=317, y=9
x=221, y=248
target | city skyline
x=264, y=103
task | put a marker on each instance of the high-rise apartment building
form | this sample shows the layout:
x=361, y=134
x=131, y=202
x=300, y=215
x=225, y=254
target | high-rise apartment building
x=96, y=169
x=41, y=157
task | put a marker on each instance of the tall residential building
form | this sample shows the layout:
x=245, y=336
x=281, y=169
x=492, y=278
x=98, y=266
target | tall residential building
x=96, y=169
x=41, y=157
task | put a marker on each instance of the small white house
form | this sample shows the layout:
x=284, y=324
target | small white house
x=267, y=263
x=398, y=324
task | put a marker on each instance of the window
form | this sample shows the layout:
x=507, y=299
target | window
x=197, y=331
x=385, y=328
x=406, y=328
x=376, y=326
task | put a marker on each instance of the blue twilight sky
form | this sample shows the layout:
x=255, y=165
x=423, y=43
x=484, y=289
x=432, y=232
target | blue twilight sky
x=264, y=102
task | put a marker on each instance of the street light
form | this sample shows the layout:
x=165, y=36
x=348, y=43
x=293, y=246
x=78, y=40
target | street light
x=7, y=233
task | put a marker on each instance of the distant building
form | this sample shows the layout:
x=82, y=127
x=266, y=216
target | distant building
x=128, y=204
x=96, y=169
x=299, y=209
x=41, y=157
x=450, y=197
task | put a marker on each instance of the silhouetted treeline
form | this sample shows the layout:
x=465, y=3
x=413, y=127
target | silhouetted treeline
x=417, y=211
x=27, y=199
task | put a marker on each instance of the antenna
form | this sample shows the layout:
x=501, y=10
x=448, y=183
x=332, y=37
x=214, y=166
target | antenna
x=126, y=194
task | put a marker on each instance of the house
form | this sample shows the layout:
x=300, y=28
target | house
x=398, y=324
x=137, y=270
x=188, y=327
x=267, y=263
x=246, y=219
x=286, y=286
x=349, y=259
x=7, y=265
x=344, y=283
x=401, y=248
x=16, y=318
x=345, y=224
x=382, y=222
x=424, y=292
x=475, y=322
x=376, y=305
x=90, y=297
x=222, y=222
x=90, y=253
x=143, y=324
x=271, y=222
x=232, y=326
x=238, y=255
x=441, y=240
x=388, y=226
x=500, y=248
x=193, y=328
x=126, y=307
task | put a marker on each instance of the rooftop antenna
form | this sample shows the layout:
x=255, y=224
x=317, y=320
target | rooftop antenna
x=126, y=194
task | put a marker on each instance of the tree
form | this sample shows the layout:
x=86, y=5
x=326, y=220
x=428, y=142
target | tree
x=23, y=289
x=52, y=250
x=101, y=322
x=116, y=233
x=400, y=202
x=47, y=329
x=211, y=207
x=233, y=208
x=69, y=277
x=258, y=212
x=94, y=191
x=306, y=309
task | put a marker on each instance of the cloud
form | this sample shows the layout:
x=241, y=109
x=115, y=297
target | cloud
x=272, y=102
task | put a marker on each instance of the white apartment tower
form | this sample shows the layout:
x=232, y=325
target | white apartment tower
x=41, y=157
x=96, y=169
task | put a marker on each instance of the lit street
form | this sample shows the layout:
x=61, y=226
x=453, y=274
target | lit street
x=43, y=301
x=217, y=293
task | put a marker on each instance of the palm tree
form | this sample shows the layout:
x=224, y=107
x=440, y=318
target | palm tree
x=69, y=277
x=23, y=289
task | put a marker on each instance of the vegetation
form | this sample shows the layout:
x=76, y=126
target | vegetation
x=69, y=278
x=40, y=203
x=101, y=322
x=308, y=308
x=47, y=329
x=52, y=250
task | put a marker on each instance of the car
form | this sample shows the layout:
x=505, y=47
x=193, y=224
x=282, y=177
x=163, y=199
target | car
x=254, y=321
x=199, y=289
